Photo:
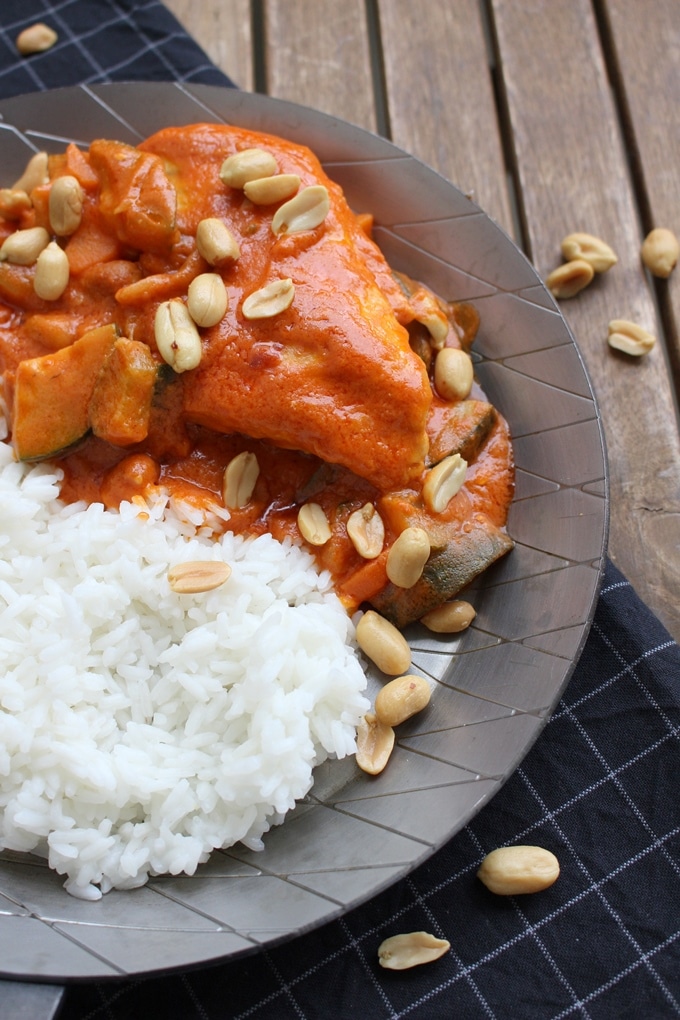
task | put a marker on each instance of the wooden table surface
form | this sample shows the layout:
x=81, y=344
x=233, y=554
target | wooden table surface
x=556, y=118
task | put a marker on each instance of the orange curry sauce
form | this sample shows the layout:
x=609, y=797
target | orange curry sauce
x=334, y=395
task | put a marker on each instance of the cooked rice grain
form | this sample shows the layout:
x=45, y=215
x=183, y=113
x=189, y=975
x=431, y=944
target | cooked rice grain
x=139, y=728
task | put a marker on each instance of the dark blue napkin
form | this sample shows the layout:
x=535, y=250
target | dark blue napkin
x=99, y=41
x=599, y=788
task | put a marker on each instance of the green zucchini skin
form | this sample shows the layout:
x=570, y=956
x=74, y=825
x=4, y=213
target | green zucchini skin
x=446, y=573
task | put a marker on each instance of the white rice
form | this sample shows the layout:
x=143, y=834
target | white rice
x=140, y=729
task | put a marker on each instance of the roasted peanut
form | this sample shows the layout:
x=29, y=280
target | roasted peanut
x=270, y=300
x=36, y=39
x=570, y=278
x=197, y=576
x=630, y=338
x=366, y=531
x=399, y=952
x=177, y=339
x=449, y=618
x=590, y=249
x=431, y=315
x=513, y=870
x=375, y=741
x=240, y=478
x=401, y=698
x=306, y=211
x=443, y=481
x=207, y=299
x=23, y=246
x=268, y=190
x=35, y=174
x=247, y=165
x=383, y=643
x=215, y=242
x=660, y=251
x=14, y=202
x=453, y=373
x=313, y=524
x=407, y=557
x=52, y=272
x=65, y=205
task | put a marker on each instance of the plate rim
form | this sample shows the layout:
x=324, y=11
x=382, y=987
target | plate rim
x=204, y=94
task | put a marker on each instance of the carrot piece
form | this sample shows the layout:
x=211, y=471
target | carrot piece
x=53, y=330
x=91, y=244
x=16, y=287
x=162, y=286
x=367, y=581
x=365, y=221
x=78, y=164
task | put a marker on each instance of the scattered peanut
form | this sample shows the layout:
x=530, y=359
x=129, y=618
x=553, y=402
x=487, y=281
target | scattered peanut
x=52, y=272
x=570, y=278
x=240, y=478
x=432, y=316
x=177, y=338
x=443, y=481
x=313, y=524
x=399, y=952
x=207, y=299
x=13, y=203
x=198, y=576
x=270, y=300
x=401, y=698
x=449, y=618
x=215, y=242
x=660, y=251
x=65, y=205
x=306, y=211
x=36, y=39
x=375, y=741
x=247, y=165
x=35, y=173
x=366, y=531
x=590, y=249
x=407, y=557
x=383, y=643
x=630, y=338
x=513, y=870
x=23, y=246
x=267, y=190
x=453, y=373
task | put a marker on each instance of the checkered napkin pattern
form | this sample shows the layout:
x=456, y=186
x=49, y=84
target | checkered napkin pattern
x=599, y=788
x=99, y=41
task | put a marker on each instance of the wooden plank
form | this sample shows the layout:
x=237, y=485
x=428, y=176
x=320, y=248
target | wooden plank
x=644, y=59
x=570, y=168
x=440, y=96
x=317, y=53
x=223, y=29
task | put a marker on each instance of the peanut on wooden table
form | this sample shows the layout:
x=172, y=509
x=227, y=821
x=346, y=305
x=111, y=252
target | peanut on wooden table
x=518, y=74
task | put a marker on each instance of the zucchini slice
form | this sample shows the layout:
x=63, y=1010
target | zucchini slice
x=120, y=407
x=447, y=572
x=51, y=395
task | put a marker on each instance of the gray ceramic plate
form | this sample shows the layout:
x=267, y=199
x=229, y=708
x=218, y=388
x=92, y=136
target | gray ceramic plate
x=498, y=681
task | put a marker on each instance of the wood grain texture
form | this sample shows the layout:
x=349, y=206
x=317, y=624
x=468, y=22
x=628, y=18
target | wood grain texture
x=318, y=54
x=439, y=88
x=645, y=58
x=571, y=153
x=572, y=172
x=223, y=29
